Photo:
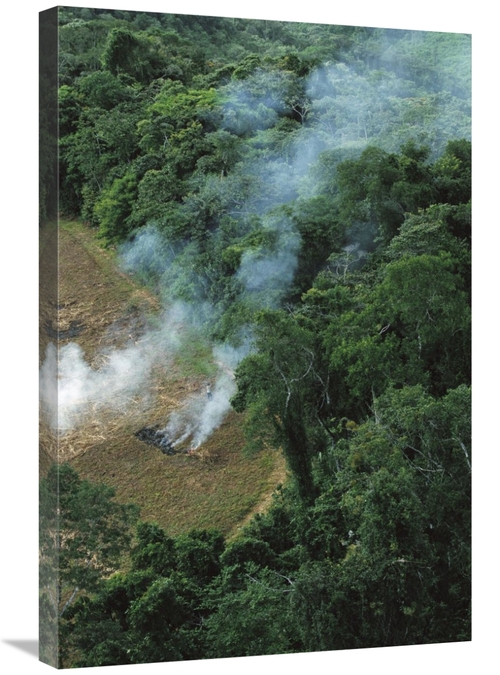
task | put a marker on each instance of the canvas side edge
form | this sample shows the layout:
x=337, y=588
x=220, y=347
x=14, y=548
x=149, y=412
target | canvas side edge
x=48, y=336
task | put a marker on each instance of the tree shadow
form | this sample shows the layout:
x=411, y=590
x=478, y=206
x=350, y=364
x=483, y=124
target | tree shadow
x=27, y=646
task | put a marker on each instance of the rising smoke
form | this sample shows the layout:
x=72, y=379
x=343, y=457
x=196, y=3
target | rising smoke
x=122, y=376
x=201, y=414
x=344, y=109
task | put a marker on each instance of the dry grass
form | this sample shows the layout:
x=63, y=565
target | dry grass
x=216, y=486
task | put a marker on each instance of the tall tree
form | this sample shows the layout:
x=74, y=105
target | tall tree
x=276, y=386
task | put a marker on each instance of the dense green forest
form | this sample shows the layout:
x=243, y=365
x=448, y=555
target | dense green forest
x=306, y=191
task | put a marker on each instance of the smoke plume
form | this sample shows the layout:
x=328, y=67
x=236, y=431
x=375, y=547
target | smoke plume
x=339, y=106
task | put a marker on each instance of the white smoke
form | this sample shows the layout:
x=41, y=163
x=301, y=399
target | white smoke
x=253, y=104
x=195, y=421
x=345, y=109
x=70, y=387
x=267, y=274
x=147, y=252
x=113, y=386
x=48, y=387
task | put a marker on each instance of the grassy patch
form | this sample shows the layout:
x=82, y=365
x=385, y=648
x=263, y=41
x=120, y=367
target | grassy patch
x=195, y=358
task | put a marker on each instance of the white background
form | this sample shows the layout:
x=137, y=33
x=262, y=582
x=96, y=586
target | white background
x=19, y=330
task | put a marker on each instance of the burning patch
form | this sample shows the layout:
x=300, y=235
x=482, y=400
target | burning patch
x=158, y=438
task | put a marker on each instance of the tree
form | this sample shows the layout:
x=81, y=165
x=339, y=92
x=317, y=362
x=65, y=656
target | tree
x=84, y=535
x=158, y=195
x=252, y=620
x=366, y=198
x=157, y=621
x=153, y=550
x=453, y=172
x=198, y=554
x=276, y=384
x=428, y=303
x=102, y=89
x=114, y=208
x=132, y=53
x=226, y=152
x=154, y=611
x=321, y=233
x=379, y=188
x=415, y=189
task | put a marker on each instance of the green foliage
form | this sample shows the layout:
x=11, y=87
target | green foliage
x=69, y=109
x=130, y=53
x=245, y=551
x=92, y=529
x=379, y=188
x=277, y=378
x=84, y=535
x=102, y=90
x=198, y=554
x=310, y=185
x=453, y=172
x=156, y=619
x=251, y=621
x=153, y=550
x=321, y=232
x=156, y=202
x=114, y=207
x=432, y=311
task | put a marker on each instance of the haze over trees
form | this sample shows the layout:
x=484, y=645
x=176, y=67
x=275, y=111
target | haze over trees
x=308, y=188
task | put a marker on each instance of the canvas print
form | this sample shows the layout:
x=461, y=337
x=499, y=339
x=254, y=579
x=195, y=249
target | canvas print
x=255, y=307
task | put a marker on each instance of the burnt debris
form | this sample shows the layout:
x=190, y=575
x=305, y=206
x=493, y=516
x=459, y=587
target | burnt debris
x=74, y=330
x=157, y=438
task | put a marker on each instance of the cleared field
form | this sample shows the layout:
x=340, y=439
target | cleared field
x=103, y=310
